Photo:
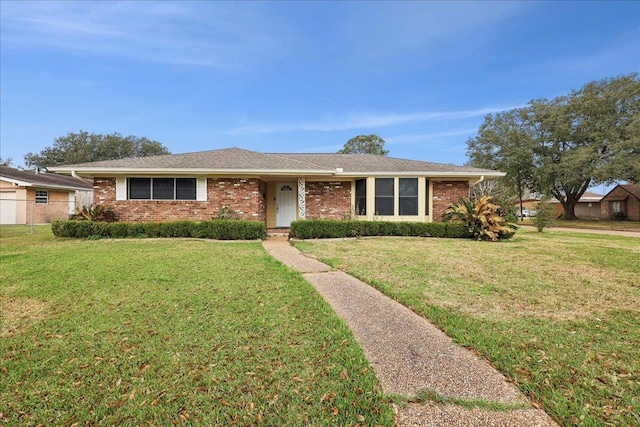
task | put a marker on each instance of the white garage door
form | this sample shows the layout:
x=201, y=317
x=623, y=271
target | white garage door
x=8, y=207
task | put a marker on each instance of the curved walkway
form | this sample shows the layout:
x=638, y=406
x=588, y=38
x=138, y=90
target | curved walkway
x=408, y=354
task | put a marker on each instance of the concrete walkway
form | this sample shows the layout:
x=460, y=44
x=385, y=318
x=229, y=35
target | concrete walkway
x=408, y=354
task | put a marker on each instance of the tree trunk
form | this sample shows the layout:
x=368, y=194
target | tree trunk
x=569, y=209
x=521, y=216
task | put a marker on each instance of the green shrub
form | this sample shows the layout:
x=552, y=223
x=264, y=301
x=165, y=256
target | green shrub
x=544, y=215
x=619, y=216
x=326, y=228
x=217, y=229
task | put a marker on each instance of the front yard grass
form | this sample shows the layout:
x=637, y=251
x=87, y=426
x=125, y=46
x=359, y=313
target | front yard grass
x=557, y=313
x=171, y=332
x=596, y=224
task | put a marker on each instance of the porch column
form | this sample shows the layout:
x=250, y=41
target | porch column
x=302, y=207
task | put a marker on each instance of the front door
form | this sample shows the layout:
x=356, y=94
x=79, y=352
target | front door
x=285, y=204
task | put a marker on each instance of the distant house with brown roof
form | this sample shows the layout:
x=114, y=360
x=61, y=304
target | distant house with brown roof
x=622, y=201
x=276, y=188
x=28, y=196
x=588, y=206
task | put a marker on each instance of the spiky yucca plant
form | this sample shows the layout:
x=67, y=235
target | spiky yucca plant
x=481, y=217
x=95, y=212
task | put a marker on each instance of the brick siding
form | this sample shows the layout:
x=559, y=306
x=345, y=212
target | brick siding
x=445, y=193
x=57, y=207
x=630, y=206
x=324, y=200
x=328, y=200
x=244, y=196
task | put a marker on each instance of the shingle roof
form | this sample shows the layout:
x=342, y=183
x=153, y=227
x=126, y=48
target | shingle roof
x=372, y=163
x=43, y=179
x=633, y=189
x=240, y=159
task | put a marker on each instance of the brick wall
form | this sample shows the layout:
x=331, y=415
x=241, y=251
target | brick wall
x=630, y=206
x=244, y=196
x=445, y=193
x=56, y=208
x=328, y=200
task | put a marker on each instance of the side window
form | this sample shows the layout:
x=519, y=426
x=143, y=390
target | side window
x=426, y=197
x=162, y=188
x=361, y=197
x=185, y=189
x=42, y=197
x=385, y=196
x=139, y=188
x=408, y=196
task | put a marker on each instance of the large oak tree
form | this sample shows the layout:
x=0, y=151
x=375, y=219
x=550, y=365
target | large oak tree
x=505, y=142
x=562, y=146
x=365, y=144
x=84, y=147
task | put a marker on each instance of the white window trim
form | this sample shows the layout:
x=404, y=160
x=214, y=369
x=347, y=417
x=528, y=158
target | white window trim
x=201, y=189
x=121, y=188
x=371, y=200
x=45, y=196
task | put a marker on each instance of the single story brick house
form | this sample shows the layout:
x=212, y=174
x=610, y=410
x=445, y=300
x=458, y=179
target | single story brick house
x=276, y=188
x=623, y=199
x=30, y=196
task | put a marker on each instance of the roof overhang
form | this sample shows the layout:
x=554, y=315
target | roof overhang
x=16, y=182
x=457, y=175
x=337, y=173
x=20, y=183
x=84, y=172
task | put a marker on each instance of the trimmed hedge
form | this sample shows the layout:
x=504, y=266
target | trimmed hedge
x=215, y=229
x=326, y=228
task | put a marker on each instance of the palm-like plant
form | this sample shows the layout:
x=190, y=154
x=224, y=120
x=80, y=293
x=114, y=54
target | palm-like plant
x=481, y=218
x=95, y=212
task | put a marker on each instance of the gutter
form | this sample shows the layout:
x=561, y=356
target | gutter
x=76, y=176
x=478, y=181
x=337, y=172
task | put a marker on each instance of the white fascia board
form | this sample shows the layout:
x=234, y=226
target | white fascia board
x=271, y=172
x=464, y=175
x=190, y=171
x=37, y=185
x=16, y=181
x=61, y=187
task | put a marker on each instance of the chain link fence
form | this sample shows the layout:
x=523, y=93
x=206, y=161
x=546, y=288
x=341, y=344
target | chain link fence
x=35, y=212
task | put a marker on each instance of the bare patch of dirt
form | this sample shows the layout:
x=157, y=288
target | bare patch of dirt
x=17, y=314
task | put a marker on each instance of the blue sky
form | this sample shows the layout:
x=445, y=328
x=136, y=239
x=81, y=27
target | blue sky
x=296, y=76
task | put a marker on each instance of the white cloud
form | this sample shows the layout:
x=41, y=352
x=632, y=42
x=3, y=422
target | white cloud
x=365, y=121
x=219, y=35
x=421, y=137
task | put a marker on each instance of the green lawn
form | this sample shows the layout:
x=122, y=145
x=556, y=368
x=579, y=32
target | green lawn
x=557, y=313
x=171, y=332
x=596, y=224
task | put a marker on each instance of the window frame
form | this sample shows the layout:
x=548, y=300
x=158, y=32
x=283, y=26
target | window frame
x=417, y=213
x=156, y=194
x=426, y=196
x=379, y=197
x=616, y=206
x=408, y=197
x=360, y=206
x=42, y=199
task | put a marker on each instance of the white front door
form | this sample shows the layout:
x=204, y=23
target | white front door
x=285, y=204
